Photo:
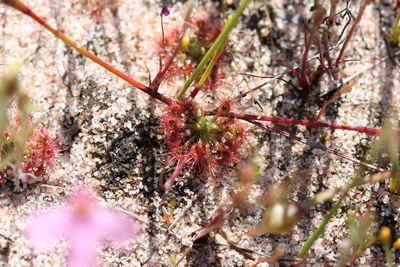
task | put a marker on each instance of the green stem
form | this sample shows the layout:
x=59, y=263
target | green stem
x=306, y=247
x=219, y=42
x=396, y=29
x=388, y=255
x=210, y=67
x=320, y=230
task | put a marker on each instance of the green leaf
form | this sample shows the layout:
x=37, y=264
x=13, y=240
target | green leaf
x=218, y=45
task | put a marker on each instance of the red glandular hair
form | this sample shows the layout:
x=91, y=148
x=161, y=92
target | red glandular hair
x=219, y=148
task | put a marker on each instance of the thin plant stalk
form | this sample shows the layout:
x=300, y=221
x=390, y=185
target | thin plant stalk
x=320, y=230
x=219, y=42
x=332, y=211
x=307, y=123
x=317, y=146
x=20, y=6
x=388, y=256
x=155, y=84
x=303, y=78
x=342, y=90
x=207, y=72
x=332, y=12
x=351, y=32
x=396, y=29
x=210, y=66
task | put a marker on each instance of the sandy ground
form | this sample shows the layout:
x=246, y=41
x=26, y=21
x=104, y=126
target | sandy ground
x=110, y=137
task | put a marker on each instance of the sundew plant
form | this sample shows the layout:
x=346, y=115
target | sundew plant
x=257, y=109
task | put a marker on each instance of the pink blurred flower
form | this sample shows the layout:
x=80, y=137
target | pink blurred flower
x=84, y=223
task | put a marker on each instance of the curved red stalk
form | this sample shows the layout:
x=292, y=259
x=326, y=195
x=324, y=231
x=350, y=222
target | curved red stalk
x=321, y=54
x=308, y=123
x=195, y=92
x=332, y=12
x=20, y=6
x=160, y=75
x=163, y=70
x=179, y=167
x=302, y=77
x=351, y=32
x=326, y=51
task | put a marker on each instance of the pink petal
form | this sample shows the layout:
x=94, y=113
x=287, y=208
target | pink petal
x=114, y=226
x=86, y=234
x=45, y=228
x=85, y=225
x=83, y=244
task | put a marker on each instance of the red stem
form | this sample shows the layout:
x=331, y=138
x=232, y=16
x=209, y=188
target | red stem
x=195, y=92
x=308, y=123
x=160, y=75
x=321, y=53
x=332, y=12
x=351, y=32
x=303, y=79
x=326, y=50
x=20, y=6
x=179, y=167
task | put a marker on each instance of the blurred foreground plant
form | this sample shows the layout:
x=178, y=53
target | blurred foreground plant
x=361, y=236
x=387, y=144
x=385, y=237
x=26, y=150
x=281, y=215
x=85, y=223
x=247, y=176
x=386, y=150
x=396, y=26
